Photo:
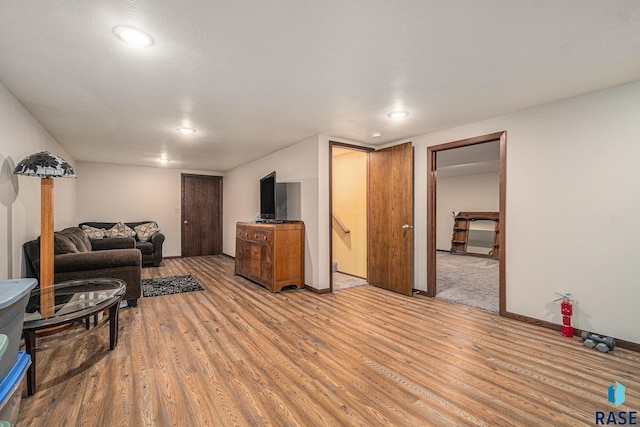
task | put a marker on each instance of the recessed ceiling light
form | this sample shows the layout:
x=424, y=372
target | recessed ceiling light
x=398, y=114
x=133, y=35
x=376, y=135
x=186, y=131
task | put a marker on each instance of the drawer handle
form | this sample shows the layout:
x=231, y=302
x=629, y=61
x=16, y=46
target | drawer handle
x=265, y=237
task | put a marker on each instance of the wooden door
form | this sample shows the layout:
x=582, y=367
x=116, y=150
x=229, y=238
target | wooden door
x=390, y=217
x=201, y=215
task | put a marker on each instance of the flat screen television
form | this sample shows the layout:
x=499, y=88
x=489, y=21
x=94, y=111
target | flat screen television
x=268, y=197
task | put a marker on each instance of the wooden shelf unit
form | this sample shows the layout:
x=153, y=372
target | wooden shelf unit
x=461, y=225
x=271, y=254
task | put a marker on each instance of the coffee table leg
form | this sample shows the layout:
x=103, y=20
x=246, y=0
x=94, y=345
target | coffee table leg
x=30, y=347
x=113, y=325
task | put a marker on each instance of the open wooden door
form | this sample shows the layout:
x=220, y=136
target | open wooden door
x=390, y=217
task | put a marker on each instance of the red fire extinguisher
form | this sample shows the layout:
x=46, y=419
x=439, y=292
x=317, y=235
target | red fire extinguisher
x=566, y=308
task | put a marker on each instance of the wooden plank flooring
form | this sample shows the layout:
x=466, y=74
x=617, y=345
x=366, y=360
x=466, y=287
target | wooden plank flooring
x=235, y=355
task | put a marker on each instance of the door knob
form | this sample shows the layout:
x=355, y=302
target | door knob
x=186, y=222
x=407, y=227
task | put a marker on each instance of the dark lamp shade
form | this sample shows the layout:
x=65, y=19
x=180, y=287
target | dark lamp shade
x=45, y=165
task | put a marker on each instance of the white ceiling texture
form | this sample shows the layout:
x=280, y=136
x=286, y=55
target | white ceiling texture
x=253, y=77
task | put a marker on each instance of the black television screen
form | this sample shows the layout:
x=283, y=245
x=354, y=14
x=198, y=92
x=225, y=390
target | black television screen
x=268, y=196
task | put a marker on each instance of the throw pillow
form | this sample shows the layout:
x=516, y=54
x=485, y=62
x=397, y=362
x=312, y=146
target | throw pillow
x=146, y=231
x=94, y=233
x=62, y=244
x=120, y=230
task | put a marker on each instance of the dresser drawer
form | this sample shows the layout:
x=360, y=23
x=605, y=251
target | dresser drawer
x=244, y=233
x=261, y=236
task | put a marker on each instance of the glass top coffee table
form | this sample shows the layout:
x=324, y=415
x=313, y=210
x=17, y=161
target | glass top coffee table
x=74, y=301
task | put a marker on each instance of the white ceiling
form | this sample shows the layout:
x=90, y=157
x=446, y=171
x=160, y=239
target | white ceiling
x=256, y=76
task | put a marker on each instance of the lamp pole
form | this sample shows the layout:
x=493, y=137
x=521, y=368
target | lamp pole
x=46, y=247
x=47, y=166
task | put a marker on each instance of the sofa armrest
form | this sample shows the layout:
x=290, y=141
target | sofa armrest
x=157, y=240
x=97, y=260
x=113, y=243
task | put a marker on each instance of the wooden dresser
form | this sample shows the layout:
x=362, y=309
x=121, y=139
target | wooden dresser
x=271, y=254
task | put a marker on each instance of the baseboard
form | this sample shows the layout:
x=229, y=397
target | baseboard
x=180, y=256
x=316, y=290
x=351, y=275
x=629, y=345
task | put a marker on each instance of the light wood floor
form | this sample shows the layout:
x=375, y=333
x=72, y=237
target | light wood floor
x=235, y=354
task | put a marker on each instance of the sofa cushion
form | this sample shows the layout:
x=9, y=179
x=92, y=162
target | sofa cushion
x=146, y=230
x=63, y=245
x=120, y=230
x=78, y=237
x=94, y=233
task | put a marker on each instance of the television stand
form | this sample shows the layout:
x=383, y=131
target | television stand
x=271, y=254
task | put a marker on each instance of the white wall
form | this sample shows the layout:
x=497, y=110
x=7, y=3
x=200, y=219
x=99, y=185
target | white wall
x=572, y=202
x=297, y=163
x=464, y=193
x=20, y=136
x=112, y=193
x=306, y=162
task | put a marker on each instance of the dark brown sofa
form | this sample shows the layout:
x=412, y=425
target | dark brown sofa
x=76, y=258
x=151, y=250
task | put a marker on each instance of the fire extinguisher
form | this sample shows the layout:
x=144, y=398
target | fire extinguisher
x=566, y=308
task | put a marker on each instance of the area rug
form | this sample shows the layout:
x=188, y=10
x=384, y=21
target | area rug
x=169, y=285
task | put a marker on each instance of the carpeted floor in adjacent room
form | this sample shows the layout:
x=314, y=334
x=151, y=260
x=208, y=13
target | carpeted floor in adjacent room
x=346, y=281
x=468, y=280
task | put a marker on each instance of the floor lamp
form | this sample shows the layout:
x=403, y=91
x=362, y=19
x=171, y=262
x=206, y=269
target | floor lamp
x=47, y=166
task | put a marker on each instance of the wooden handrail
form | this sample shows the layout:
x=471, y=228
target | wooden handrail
x=345, y=230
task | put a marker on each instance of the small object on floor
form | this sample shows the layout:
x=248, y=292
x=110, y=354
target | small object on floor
x=601, y=347
x=604, y=344
x=566, y=308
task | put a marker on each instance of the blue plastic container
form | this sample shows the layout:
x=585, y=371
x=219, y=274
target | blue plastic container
x=11, y=390
x=14, y=296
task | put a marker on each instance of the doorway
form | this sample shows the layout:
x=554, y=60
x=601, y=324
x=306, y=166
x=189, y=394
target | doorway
x=348, y=205
x=201, y=215
x=389, y=215
x=467, y=152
